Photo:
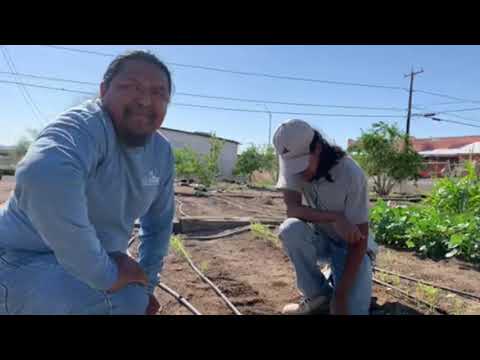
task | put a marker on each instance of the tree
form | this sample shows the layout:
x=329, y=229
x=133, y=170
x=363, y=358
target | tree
x=205, y=168
x=248, y=161
x=257, y=159
x=186, y=162
x=387, y=155
x=270, y=161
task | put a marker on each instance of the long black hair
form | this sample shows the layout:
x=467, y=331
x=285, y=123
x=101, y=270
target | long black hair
x=330, y=155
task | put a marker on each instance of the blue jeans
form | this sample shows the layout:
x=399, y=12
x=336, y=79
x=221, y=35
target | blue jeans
x=305, y=248
x=36, y=284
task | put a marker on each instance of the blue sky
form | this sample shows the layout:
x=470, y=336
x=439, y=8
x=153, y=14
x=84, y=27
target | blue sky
x=451, y=70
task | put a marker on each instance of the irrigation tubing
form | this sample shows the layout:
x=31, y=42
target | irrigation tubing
x=179, y=298
x=411, y=297
x=213, y=286
x=460, y=292
x=170, y=291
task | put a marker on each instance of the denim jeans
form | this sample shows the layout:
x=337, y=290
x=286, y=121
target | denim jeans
x=305, y=248
x=36, y=284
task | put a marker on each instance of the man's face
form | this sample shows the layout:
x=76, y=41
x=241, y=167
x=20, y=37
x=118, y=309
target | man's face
x=309, y=173
x=137, y=100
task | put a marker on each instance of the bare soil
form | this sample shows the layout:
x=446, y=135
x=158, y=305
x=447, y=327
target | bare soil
x=258, y=278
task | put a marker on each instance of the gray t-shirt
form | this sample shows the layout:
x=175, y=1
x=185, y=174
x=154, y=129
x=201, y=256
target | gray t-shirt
x=347, y=194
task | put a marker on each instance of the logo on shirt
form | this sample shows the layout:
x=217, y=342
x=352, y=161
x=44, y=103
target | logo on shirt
x=151, y=179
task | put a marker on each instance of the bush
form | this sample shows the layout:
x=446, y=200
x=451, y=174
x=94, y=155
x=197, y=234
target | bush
x=186, y=162
x=386, y=155
x=446, y=224
x=205, y=169
x=257, y=159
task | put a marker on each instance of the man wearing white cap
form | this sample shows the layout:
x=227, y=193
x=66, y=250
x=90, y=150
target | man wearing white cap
x=329, y=225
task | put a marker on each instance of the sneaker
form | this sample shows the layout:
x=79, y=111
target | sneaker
x=319, y=305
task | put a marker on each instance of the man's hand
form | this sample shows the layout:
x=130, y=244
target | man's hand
x=153, y=305
x=129, y=271
x=348, y=231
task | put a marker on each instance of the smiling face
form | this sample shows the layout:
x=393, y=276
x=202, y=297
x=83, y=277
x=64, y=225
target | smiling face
x=137, y=99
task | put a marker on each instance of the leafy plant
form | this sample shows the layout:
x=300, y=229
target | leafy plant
x=445, y=225
x=186, y=162
x=263, y=232
x=386, y=155
x=427, y=293
x=205, y=168
x=178, y=247
x=257, y=158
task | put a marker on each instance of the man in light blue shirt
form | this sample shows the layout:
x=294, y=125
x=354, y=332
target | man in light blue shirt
x=84, y=181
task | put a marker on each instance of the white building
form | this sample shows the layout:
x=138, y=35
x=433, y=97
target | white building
x=199, y=142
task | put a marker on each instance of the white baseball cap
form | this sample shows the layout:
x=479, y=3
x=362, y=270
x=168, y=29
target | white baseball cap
x=292, y=141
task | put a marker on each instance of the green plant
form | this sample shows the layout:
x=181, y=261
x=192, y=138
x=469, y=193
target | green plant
x=445, y=225
x=256, y=158
x=263, y=232
x=459, y=307
x=203, y=168
x=178, y=247
x=427, y=293
x=386, y=155
x=186, y=162
x=204, y=266
x=207, y=166
x=389, y=279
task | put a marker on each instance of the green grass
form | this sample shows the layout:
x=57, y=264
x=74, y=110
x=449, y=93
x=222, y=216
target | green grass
x=427, y=293
x=389, y=279
x=178, y=247
x=263, y=232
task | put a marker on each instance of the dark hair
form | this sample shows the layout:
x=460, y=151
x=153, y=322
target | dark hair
x=143, y=55
x=329, y=156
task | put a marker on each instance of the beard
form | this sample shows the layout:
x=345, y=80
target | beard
x=127, y=131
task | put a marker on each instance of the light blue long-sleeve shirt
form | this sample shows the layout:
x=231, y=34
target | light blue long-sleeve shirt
x=79, y=191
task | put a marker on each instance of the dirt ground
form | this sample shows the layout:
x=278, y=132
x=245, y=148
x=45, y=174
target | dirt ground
x=259, y=279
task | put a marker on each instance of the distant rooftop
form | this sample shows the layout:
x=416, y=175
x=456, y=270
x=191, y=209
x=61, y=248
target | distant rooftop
x=199, y=133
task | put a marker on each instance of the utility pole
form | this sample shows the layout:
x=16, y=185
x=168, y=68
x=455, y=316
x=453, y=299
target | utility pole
x=412, y=76
x=269, y=124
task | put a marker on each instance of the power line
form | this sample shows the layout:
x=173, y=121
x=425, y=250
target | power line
x=288, y=113
x=274, y=76
x=453, y=122
x=12, y=63
x=26, y=95
x=421, y=107
x=447, y=96
x=246, y=73
x=457, y=110
x=464, y=118
x=215, y=107
x=48, y=87
x=221, y=97
x=51, y=78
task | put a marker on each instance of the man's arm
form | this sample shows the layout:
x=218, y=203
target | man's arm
x=156, y=227
x=293, y=200
x=357, y=210
x=51, y=187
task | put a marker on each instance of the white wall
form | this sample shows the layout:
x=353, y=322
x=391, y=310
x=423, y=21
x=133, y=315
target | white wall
x=200, y=144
